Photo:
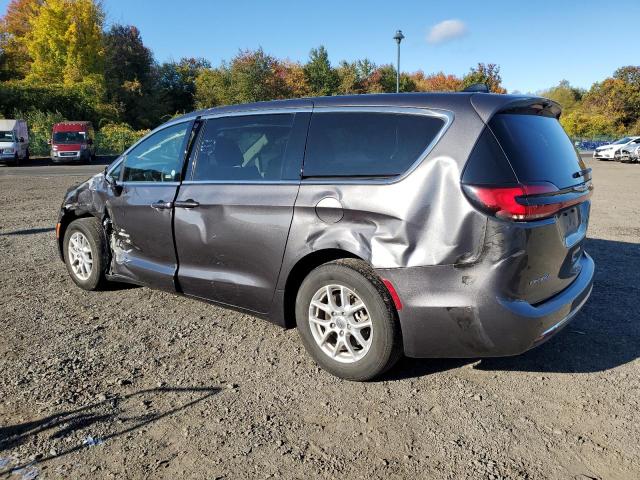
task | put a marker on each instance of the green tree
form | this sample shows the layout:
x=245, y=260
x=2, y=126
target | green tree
x=489, y=74
x=321, y=76
x=129, y=77
x=176, y=84
x=383, y=80
x=65, y=42
x=567, y=96
x=213, y=88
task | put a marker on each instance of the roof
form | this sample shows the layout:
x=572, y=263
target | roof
x=484, y=103
x=70, y=126
x=7, y=124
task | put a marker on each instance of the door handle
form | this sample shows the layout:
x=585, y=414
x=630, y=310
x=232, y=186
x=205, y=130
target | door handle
x=160, y=205
x=186, y=203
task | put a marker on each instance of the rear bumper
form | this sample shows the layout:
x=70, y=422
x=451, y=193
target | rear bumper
x=443, y=315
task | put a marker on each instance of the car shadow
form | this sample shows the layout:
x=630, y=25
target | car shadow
x=118, y=415
x=604, y=335
x=28, y=231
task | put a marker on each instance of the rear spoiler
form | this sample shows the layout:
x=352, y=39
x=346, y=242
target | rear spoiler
x=488, y=105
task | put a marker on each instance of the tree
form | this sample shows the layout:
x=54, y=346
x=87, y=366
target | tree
x=176, y=84
x=383, y=80
x=212, y=88
x=65, y=42
x=436, y=82
x=567, y=96
x=488, y=74
x=15, y=25
x=321, y=77
x=254, y=77
x=294, y=79
x=128, y=75
x=353, y=76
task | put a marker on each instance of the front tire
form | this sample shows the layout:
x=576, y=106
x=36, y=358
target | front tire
x=347, y=321
x=85, y=253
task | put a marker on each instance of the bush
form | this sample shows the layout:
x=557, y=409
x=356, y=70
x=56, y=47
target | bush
x=115, y=138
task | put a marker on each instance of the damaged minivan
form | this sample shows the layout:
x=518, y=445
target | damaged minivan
x=429, y=225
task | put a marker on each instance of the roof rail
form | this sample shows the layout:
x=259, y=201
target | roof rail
x=477, y=87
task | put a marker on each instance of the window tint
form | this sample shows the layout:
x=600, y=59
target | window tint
x=158, y=158
x=538, y=149
x=487, y=164
x=366, y=144
x=252, y=147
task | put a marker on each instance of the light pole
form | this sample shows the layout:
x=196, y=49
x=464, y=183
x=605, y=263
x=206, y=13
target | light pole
x=398, y=38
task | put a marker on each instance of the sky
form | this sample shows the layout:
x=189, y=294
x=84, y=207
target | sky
x=536, y=43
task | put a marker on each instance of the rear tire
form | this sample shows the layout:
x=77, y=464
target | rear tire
x=86, y=254
x=336, y=334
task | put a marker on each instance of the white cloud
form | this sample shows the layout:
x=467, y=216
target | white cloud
x=447, y=30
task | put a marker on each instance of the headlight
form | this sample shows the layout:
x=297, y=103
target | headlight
x=9, y=150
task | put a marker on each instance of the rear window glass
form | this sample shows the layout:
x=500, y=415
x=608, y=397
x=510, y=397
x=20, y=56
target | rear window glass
x=487, y=164
x=538, y=149
x=366, y=144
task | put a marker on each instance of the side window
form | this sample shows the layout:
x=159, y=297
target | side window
x=251, y=147
x=158, y=158
x=366, y=144
x=114, y=173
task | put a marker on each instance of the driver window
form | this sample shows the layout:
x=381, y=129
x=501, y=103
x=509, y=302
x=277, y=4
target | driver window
x=158, y=158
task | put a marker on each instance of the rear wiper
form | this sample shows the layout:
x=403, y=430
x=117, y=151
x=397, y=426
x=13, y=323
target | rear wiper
x=581, y=173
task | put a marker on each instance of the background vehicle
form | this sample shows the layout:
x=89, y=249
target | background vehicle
x=72, y=141
x=630, y=154
x=613, y=150
x=14, y=141
x=438, y=225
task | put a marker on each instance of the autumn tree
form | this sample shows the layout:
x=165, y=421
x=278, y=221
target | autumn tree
x=15, y=25
x=489, y=74
x=254, y=77
x=436, y=82
x=383, y=80
x=321, y=77
x=213, y=87
x=65, y=42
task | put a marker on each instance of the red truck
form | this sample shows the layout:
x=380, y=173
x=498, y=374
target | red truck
x=72, y=141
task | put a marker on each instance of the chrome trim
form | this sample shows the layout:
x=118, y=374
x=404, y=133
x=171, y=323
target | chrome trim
x=566, y=319
x=241, y=182
x=150, y=184
x=258, y=111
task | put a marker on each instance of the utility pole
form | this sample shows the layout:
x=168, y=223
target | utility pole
x=398, y=38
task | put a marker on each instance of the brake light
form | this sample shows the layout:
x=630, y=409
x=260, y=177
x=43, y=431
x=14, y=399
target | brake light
x=522, y=202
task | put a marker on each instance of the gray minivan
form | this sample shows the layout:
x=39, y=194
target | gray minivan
x=434, y=225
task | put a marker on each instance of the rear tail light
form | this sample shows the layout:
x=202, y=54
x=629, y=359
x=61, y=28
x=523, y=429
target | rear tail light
x=525, y=202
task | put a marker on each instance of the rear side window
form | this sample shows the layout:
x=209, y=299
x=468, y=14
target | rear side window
x=487, y=164
x=366, y=144
x=538, y=149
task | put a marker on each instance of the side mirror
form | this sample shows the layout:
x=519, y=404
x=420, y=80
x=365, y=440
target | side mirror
x=21, y=140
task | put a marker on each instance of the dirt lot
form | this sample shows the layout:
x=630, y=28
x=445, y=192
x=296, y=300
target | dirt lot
x=132, y=383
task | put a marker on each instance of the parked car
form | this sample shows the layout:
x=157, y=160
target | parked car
x=14, y=141
x=630, y=154
x=613, y=150
x=72, y=141
x=434, y=225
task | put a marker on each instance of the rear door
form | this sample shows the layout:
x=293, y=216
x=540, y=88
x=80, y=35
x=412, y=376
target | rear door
x=232, y=217
x=141, y=215
x=544, y=159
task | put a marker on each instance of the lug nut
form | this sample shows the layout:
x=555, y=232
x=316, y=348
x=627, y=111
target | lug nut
x=341, y=332
x=333, y=325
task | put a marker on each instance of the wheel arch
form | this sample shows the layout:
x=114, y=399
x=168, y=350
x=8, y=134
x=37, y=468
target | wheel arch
x=299, y=271
x=64, y=222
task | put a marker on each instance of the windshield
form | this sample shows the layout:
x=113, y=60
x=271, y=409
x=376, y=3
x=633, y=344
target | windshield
x=69, y=137
x=6, y=136
x=621, y=141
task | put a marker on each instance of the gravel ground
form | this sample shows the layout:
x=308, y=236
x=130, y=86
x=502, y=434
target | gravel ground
x=133, y=383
